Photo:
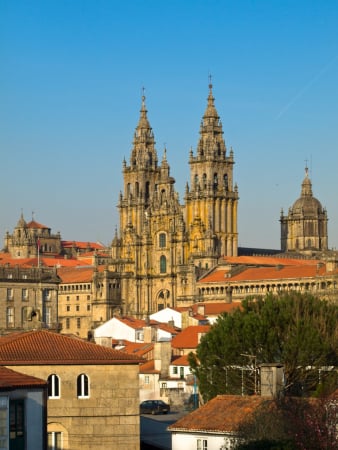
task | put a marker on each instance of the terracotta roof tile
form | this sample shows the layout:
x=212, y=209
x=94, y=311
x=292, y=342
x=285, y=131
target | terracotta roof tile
x=189, y=337
x=82, y=245
x=148, y=367
x=45, y=347
x=33, y=224
x=269, y=261
x=181, y=361
x=137, y=348
x=264, y=273
x=76, y=274
x=222, y=414
x=10, y=379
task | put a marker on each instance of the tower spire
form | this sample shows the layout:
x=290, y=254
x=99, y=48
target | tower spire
x=143, y=154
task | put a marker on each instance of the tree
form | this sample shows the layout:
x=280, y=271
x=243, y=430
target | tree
x=300, y=331
x=292, y=423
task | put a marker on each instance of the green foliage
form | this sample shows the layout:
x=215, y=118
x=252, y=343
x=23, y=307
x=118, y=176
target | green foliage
x=299, y=331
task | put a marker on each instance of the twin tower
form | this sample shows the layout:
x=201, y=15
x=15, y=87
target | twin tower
x=163, y=245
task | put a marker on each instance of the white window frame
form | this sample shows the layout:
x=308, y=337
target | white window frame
x=53, y=386
x=54, y=444
x=81, y=386
x=202, y=444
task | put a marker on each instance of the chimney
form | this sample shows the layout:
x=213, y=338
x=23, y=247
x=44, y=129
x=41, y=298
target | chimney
x=272, y=379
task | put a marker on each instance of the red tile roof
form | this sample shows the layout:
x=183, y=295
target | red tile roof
x=189, y=337
x=82, y=245
x=76, y=274
x=181, y=361
x=136, y=348
x=44, y=262
x=211, y=309
x=222, y=414
x=10, y=379
x=269, y=261
x=45, y=347
x=264, y=273
x=148, y=367
x=33, y=224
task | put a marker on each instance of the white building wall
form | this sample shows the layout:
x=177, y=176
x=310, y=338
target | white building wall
x=114, y=329
x=166, y=315
x=188, y=441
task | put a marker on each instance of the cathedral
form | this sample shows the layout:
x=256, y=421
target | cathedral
x=163, y=245
x=165, y=253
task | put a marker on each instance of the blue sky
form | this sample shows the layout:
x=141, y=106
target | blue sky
x=71, y=82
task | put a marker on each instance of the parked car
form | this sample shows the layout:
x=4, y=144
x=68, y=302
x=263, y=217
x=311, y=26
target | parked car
x=154, y=407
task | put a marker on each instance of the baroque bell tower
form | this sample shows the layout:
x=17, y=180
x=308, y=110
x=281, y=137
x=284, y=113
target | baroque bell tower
x=212, y=199
x=152, y=239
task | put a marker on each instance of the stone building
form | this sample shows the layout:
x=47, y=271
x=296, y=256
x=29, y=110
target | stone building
x=88, y=297
x=161, y=244
x=28, y=298
x=93, y=391
x=304, y=229
x=31, y=239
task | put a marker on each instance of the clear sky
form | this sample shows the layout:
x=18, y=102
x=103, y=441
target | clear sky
x=71, y=78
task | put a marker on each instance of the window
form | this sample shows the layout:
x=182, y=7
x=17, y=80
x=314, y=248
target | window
x=77, y=307
x=162, y=240
x=78, y=322
x=163, y=264
x=146, y=379
x=68, y=308
x=55, y=440
x=10, y=316
x=24, y=294
x=82, y=386
x=53, y=386
x=175, y=370
x=88, y=307
x=9, y=294
x=202, y=444
x=47, y=315
x=17, y=422
x=67, y=323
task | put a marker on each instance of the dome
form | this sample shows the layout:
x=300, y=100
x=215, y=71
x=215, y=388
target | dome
x=306, y=204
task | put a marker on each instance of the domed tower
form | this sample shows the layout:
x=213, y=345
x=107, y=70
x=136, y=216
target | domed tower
x=305, y=226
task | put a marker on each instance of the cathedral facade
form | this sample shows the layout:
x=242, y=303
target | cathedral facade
x=162, y=245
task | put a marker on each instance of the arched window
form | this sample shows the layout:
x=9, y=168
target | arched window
x=204, y=181
x=53, y=386
x=225, y=182
x=163, y=264
x=82, y=386
x=147, y=190
x=162, y=240
x=196, y=180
